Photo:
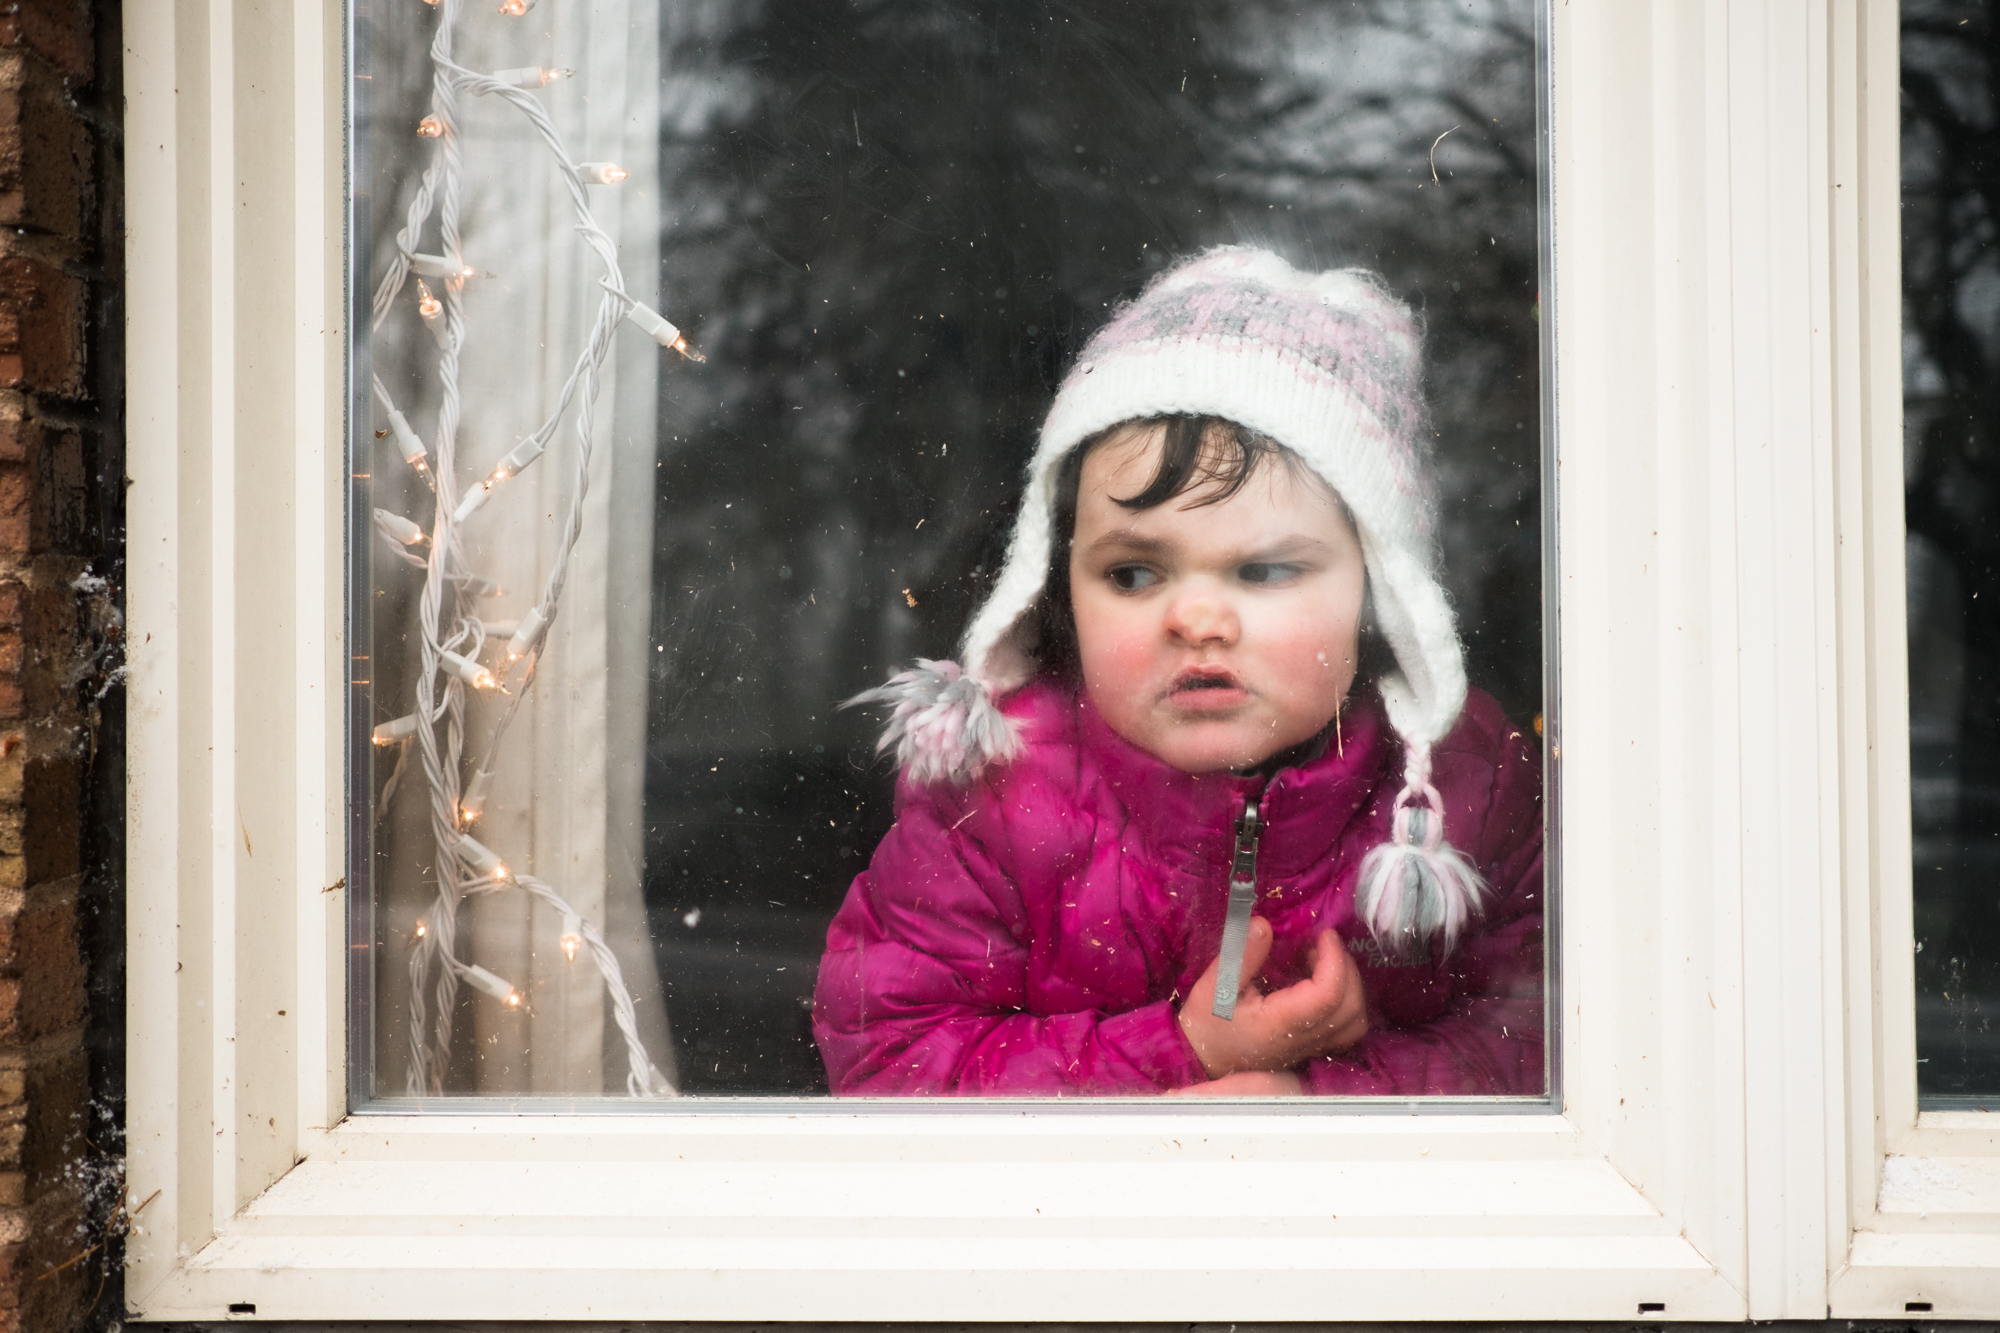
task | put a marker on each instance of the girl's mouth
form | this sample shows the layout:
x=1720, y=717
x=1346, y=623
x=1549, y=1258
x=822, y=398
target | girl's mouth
x=1205, y=690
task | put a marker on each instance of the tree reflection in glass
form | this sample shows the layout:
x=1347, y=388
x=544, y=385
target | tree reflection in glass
x=896, y=223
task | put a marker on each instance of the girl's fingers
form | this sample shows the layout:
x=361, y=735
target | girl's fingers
x=1331, y=965
x=1256, y=949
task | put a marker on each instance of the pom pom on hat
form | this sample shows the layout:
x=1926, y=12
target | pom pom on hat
x=1416, y=893
x=943, y=724
x=1329, y=365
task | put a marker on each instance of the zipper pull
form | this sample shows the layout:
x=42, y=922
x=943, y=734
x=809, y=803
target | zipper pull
x=1242, y=899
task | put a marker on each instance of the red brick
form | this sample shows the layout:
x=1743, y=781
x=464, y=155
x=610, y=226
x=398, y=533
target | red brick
x=51, y=233
x=56, y=30
x=53, y=1128
x=53, y=803
x=10, y=1277
x=17, y=498
x=45, y=151
x=41, y=327
x=59, y=512
x=20, y=432
x=46, y=1000
x=50, y=635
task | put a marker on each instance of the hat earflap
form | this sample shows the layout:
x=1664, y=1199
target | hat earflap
x=943, y=723
x=1417, y=893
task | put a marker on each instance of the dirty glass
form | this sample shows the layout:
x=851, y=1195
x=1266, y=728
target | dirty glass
x=701, y=352
x=1951, y=404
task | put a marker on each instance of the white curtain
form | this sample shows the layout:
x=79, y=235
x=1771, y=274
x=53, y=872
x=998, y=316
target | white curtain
x=566, y=797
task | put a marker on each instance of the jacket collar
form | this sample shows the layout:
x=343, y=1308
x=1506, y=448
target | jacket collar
x=1190, y=818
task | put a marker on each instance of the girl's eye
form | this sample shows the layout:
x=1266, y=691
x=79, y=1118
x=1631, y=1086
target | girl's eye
x=1266, y=572
x=1131, y=578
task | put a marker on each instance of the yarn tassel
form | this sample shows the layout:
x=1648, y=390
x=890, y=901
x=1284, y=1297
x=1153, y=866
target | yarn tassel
x=1417, y=894
x=943, y=723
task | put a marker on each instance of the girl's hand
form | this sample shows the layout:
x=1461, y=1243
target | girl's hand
x=1253, y=1083
x=1322, y=1015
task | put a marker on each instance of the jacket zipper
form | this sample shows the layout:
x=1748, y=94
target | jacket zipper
x=1242, y=899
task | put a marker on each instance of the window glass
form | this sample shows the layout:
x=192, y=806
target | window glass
x=1951, y=376
x=1142, y=403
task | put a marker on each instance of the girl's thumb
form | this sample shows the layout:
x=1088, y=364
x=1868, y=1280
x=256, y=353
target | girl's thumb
x=1256, y=948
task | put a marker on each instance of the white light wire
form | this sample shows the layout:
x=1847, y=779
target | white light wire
x=447, y=573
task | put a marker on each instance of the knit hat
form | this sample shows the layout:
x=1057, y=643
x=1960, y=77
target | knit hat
x=1328, y=365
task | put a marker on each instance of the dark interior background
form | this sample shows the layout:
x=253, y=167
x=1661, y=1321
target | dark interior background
x=1951, y=342
x=890, y=224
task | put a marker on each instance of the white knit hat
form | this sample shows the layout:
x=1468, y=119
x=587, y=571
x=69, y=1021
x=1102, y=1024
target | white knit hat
x=1328, y=365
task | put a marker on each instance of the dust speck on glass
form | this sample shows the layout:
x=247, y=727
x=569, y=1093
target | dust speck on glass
x=1951, y=472
x=1142, y=404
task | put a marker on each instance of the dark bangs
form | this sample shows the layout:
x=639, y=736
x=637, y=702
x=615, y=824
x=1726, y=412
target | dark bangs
x=1213, y=455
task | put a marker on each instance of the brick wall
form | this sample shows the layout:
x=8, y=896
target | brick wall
x=61, y=502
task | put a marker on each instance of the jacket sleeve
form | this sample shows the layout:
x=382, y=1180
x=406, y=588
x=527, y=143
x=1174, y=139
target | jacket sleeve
x=923, y=988
x=1488, y=1040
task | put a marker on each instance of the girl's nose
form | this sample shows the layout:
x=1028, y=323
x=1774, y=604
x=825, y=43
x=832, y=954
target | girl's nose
x=1202, y=615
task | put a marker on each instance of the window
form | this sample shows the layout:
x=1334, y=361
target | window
x=1949, y=332
x=608, y=600
x=1738, y=1134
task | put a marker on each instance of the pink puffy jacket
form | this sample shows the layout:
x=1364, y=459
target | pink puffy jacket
x=1031, y=934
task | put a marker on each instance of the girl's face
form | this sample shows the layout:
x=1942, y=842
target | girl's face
x=1213, y=636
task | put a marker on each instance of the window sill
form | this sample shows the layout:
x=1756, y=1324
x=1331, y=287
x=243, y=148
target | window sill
x=1016, y=1217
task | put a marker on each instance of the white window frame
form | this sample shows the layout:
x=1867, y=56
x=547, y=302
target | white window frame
x=1924, y=1186
x=1730, y=528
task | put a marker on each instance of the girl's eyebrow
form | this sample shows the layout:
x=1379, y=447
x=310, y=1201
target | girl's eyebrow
x=1293, y=544
x=1137, y=543
x=1125, y=539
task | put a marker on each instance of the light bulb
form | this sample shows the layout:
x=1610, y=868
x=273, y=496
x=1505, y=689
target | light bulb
x=422, y=930
x=473, y=501
x=528, y=635
x=480, y=857
x=398, y=528
x=572, y=935
x=473, y=804
x=601, y=173
x=661, y=330
x=524, y=453
x=467, y=670
x=399, y=729
x=406, y=439
x=431, y=311
x=532, y=76
x=437, y=266
x=430, y=127
x=516, y=8
x=499, y=988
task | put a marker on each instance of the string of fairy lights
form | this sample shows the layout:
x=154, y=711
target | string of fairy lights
x=455, y=637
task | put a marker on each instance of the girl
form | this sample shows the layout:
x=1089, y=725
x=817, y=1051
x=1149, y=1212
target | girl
x=1180, y=823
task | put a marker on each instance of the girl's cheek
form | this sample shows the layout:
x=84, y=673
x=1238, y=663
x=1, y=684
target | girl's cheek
x=1110, y=642
x=1312, y=654
x=1124, y=651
